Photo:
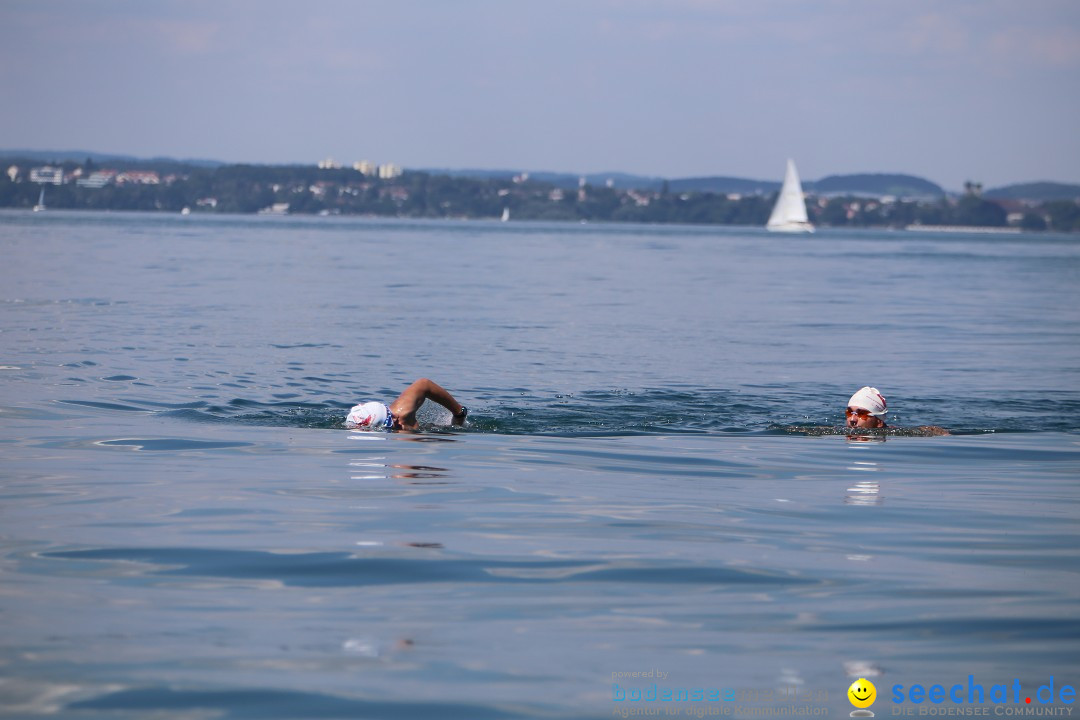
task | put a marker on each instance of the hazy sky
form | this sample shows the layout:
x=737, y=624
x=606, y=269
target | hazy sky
x=950, y=90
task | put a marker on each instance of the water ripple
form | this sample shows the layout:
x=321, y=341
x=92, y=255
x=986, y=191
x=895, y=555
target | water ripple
x=342, y=569
x=264, y=703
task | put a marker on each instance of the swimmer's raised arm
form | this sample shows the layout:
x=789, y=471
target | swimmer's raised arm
x=406, y=405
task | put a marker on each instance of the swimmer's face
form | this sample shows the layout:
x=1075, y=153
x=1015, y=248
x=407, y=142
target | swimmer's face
x=858, y=417
x=862, y=693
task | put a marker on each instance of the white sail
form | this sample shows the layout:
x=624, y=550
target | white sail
x=789, y=214
x=506, y=214
x=41, y=201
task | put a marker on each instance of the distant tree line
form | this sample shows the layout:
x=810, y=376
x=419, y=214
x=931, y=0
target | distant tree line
x=311, y=190
x=969, y=210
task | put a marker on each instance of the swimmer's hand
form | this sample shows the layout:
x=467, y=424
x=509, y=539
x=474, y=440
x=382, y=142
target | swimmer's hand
x=934, y=430
x=459, y=417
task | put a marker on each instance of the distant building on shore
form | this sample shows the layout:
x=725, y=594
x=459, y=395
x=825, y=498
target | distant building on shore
x=138, y=177
x=366, y=168
x=47, y=175
x=389, y=171
x=97, y=179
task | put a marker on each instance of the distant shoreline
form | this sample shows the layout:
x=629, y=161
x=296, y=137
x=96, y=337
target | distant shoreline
x=388, y=191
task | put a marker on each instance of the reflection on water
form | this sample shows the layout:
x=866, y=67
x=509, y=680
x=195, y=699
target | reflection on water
x=865, y=492
x=869, y=436
x=374, y=470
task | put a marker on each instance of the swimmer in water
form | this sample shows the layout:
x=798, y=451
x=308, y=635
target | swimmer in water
x=401, y=414
x=866, y=409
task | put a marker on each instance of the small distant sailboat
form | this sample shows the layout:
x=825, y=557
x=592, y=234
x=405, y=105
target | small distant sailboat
x=40, y=201
x=506, y=214
x=789, y=213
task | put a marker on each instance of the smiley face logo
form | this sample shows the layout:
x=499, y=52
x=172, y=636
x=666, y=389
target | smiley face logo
x=862, y=693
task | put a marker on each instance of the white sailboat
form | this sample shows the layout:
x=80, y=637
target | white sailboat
x=506, y=214
x=41, y=201
x=789, y=214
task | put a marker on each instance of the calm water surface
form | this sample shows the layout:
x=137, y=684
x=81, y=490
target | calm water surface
x=652, y=480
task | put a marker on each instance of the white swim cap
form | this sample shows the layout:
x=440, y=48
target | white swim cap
x=870, y=399
x=369, y=414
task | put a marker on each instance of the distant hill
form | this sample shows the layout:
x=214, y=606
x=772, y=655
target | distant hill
x=473, y=173
x=621, y=181
x=728, y=185
x=80, y=156
x=875, y=184
x=559, y=179
x=864, y=184
x=904, y=186
x=1036, y=191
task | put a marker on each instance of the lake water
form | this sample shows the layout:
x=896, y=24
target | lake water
x=652, y=481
